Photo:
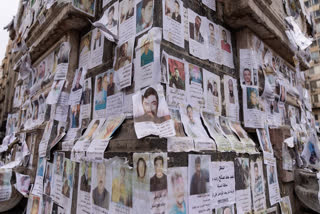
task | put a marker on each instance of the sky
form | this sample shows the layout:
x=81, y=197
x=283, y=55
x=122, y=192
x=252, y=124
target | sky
x=7, y=10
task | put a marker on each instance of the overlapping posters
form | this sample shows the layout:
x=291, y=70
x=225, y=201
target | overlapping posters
x=243, y=192
x=5, y=184
x=38, y=184
x=22, y=183
x=85, y=50
x=55, y=92
x=151, y=113
x=78, y=151
x=77, y=86
x=84, y=188
x=285, y=205
x=237, y=145
x=18, y=96
x=68, y=180
x=100, y=96
x=158, y=182
x=257, y=186
x=231, y=97
x=88, y=6
x=273, y=185
x=101, y=187
x=190, y=118
x=249, y=145
x=177, y=190
x=62, y=61
x=148, y=59
x=212, y=93
x=123, y=62
x=121, y=196
x=141, y=182
x=265, y=143
x=100, y=142
x=127, y=19
x=223, y=184
x=97, y=47
x=199, y=184
x=173, y=22
x=214, y=128
x=195, y=85
x=253, y=111
x=42, y=108
x=177, y=77
x=57, y=182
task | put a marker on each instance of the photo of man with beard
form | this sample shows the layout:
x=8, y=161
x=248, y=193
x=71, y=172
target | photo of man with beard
x=100, y=195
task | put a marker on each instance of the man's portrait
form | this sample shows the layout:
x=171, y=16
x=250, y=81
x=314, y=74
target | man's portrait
x=126, y=10
x=212, y=39
x=123, y=56
x=159, y=180
x=35, y=110
x=150, y=105
x=85, y=44
x=215, y=89
x=85, y=182
x=111, y=85
x=176, y=117
x=178, y=188
x=97, y=39
x=59, y=163
x=192, y=125
x=63, y=54
x=146, y=52
x=224, y=42
x=176, y=11
x=41, y=167
x=42, y=104
x=258, y=183
x=112, y=21
x=41, y=70
x=194, y=30
x=246, y=77
x=144, y=15
x=35, y=205
x=263, y=136
x=91, y=130
x=272, y=175
x=100, y=94
x=176, y=74
x=100, y=194
x=231, y=92
x=225, y=210
x=282, y=93
x=75, y=116
x=252, y=98
x=86, y=93
x=77, y=84
x=195, y=74
x=242, y=173
x=88, y=6
x=200, y=178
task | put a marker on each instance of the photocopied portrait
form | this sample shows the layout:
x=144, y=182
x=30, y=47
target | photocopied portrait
x=58, y=163
x=264, y=139
x=194, y=30
x=144, y=15
x=85, y=176
x=242, y=173
x=199, y=182
x=147, y=52
x=176, y=74
x=123, y=55
x=158, y=180
x=100, y=94
x=100, y=195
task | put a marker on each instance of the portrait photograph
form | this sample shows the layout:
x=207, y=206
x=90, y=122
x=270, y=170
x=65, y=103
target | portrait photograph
x=86, y=6
x=199, y=176
x=242, y=173
x=247, y=77
x=100, y=94
x=77, y=83
x=225, y=210
x=150, y=105
x=257, y=181
x=252, y=98
x=41, y=167
x=48, y=179
x=176, y=74
x=146, y=51
x=123, y=55
x=41, y=70
x=91, y=130
x=126, y=10
x=46, y=204
x=58, y=163
x=112, y=16
x=85, y=176
x=35, y=110
x=100, y=194
x=178, y=126
x=144, y=15
x=63, y=54
x=86, y=95
x=173, y=9
x=264, y=139
x=195, y=28
x=195, y=75
x=121, y=185
x=67, y=178
x=226, y=41
x=85, y=44
x=213, y=34
x=158, y=172
x=231, y=91
x=35, y=205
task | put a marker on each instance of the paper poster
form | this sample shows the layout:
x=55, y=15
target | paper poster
x=67, y=188
x=265, y=143
x=57, y=182
x=177, y=190
x=285, y=205
x=62, y=62
x=55, y=92
x=101, y=188
x=173, y=22
x=258, y=186
x=123, y=62
x=97, y=48
x=141, y=182
x=48, y=179
x=86, y=99
x=121, y=193
x=248, y=144
x=248, y=68
x=100, y=142
x=199, y=184
x=78, y=151
x=195, y=85
x=151, y=113
x=88, y=7
x=177, y=77
x=178, y=126
x=115, y=98
x=5, y=184
x=85, y=50
x=225, y=210
x=148, y=59
x=197, y=35
x=158, y=182
x=100, y=96
x=34, y=205
x=237, y=145
x=144, y=15
x=38, y=184
x=84, y=188
x=212, y=93
x=214, y=128
x=42, y=108
x=273, y=185
x=253, y=111
x=127, y=19
x=214, y=50
x=46, y=204
x=231, y=97
x=226, y=47
x=77, y=86
x=58, y=132
x=48, y=131
x=223, y=184
x=243, y=192
x=22, y=183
